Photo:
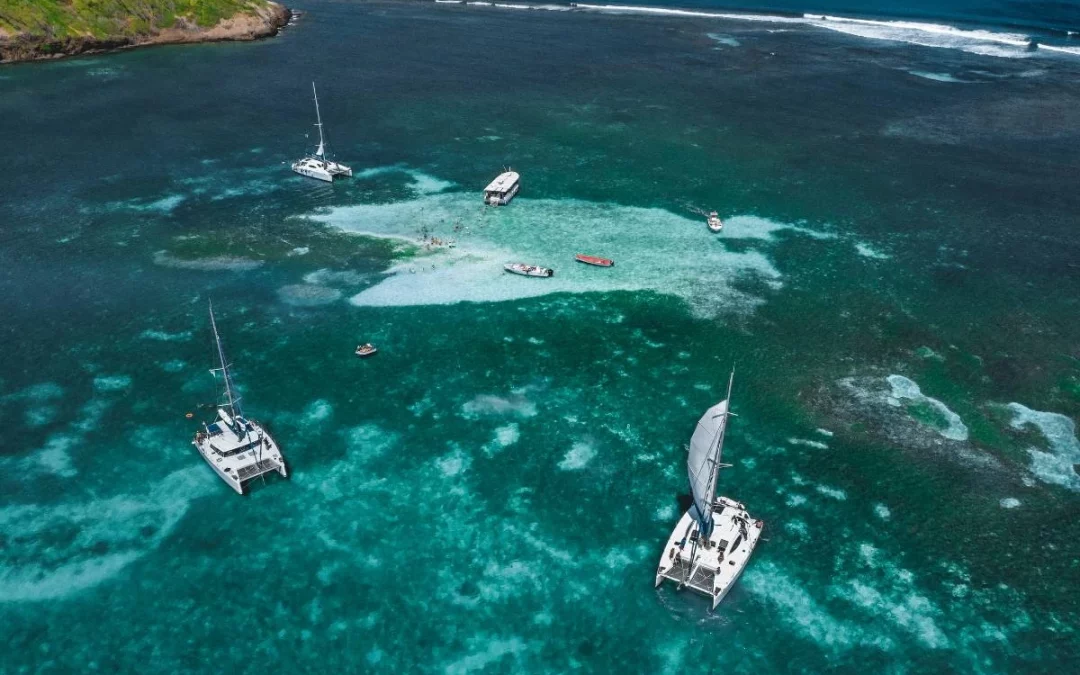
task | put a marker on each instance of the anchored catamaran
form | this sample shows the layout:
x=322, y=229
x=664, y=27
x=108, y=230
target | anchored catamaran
x=714, y=539
x=318, y=165
x=237, y=448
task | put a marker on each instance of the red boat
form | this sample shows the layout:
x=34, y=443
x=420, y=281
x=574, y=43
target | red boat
x=594, y=260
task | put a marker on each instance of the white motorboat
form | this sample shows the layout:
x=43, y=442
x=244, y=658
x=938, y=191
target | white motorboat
x=500, y=191
x=715, y=224
x=319, y=165
x=236, y=448
x=714, y=539
x=528, y=270
x=366, y=349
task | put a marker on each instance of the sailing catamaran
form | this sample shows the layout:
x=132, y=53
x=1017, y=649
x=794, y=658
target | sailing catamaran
x=237, y=448
x=713, y=541
x=318, y=165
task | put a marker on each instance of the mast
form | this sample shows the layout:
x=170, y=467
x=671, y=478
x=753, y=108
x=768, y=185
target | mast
x=321, y=151
x=234, y=402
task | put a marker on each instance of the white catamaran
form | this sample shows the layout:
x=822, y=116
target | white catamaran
x=319, y=165
x=714, y=539
x=237, y=448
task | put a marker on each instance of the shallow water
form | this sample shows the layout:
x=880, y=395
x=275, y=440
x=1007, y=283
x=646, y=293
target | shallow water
x=896, y=286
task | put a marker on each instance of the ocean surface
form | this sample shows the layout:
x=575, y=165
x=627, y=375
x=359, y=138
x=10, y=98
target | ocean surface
x=897, y=287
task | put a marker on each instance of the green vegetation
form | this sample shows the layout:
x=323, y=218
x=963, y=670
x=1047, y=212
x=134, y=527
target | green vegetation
x=104, y=19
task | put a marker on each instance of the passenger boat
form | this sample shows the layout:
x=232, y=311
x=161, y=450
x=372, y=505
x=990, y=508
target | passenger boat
x=318, y=165
x=236, y=448
x=594, y=260
x=500, y=191
x=715, y=224
x=712, y=542
x=528, y=270
x=366, y=349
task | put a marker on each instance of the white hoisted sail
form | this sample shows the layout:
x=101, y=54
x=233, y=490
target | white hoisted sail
x=703, y=459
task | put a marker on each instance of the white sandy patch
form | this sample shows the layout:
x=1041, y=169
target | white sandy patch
x=808, y=443
x=97, y=539
x=489, y=404
x=905, y=389
x=664, y=513
x=163, y=336
x=804, y=614
x=654, y=250
x=832, y=493
x=112, y=382
x=867, y=252
x=173, y=365
x=578, y=457
x=797, y=527
x=454, y=463
x=1057, y=466
x=504, y=437
x=318, y=412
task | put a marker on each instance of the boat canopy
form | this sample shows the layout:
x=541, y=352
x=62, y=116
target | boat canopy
x=504, y=182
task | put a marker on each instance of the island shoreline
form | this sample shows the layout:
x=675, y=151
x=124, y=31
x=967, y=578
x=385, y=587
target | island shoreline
x=245, y=27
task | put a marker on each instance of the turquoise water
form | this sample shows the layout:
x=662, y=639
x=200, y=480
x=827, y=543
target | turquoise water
x=896, y=286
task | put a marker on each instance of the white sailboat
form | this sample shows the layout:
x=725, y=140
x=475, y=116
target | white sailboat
x=319, y=165
x=714, y=539
x=236, y=448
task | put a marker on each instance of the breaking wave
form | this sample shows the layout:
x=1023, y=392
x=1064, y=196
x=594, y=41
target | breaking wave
x=926, y=34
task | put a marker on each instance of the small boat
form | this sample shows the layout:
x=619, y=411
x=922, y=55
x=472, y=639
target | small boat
x=715, y=224
x=501, y=190
x=366, y=349
x=594, y=260
x=528, y=270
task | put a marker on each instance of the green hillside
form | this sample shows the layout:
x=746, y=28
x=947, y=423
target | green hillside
x=112, y=18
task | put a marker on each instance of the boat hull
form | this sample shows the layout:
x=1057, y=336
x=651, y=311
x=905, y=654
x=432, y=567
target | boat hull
x=594, y=260
x=321, y=170
x=237, y=471
x=529, y=270
x=710, y=570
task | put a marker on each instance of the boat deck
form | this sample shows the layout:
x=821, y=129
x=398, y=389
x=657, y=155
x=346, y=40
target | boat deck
x=715, y=564
x=239, y=457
